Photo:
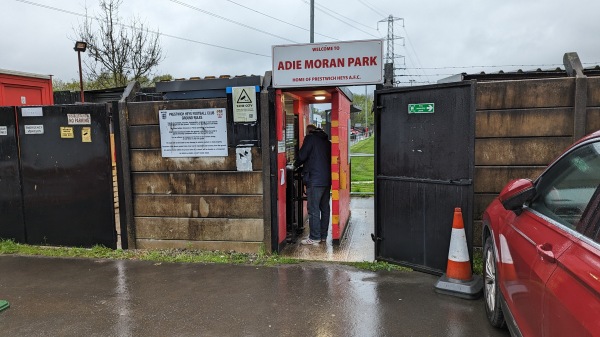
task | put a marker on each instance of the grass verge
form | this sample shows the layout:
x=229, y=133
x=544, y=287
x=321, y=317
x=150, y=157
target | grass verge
x=158, y=255
x=364, y=146
x=9, y=247
x=363, y=168
x=477, y=261
x=377, y=266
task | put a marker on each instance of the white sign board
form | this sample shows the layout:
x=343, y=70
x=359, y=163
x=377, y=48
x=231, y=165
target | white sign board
x=32, y=112
x=193, y=133
x=34, y=129
x=79, y=119
x=244, y=104
x=328, y=64
x=3, y=131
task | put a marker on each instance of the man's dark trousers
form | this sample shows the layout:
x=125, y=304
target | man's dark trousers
x=318, y=211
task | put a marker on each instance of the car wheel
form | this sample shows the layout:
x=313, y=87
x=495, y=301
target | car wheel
x=491, y=292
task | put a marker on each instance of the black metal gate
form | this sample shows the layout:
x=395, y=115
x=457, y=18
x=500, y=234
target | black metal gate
x=11, y=202
x=423, y=170
x=66, y=175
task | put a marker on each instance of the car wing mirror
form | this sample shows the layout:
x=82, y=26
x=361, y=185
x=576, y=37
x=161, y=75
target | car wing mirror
x=516, y=193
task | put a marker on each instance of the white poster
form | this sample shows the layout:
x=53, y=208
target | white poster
x=3, y=131
x=243, y=159
x=193, y=133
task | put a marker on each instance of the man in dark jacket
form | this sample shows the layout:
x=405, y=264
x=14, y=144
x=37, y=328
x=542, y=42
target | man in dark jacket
x=315, y=155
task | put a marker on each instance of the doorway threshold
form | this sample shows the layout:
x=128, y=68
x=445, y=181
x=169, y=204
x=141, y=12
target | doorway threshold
x=355, y=246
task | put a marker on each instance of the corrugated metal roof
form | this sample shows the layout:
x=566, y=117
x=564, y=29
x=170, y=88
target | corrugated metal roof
x=208, y=83
x=519, y=74
x=24, y=74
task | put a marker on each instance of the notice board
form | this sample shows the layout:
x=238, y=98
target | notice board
x=193, y=133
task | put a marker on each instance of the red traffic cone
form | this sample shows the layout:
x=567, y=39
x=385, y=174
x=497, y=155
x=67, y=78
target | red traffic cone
x=458, y=279
x=459, y=264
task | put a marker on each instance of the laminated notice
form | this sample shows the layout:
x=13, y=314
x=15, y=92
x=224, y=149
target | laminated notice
x=187, y=133
x=66, y=132
x=86, y=134
x=34, y=129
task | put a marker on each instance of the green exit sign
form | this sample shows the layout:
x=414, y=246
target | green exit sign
x=420, y=108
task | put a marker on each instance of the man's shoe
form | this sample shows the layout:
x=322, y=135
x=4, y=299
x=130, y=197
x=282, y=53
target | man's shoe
x=323, y=240
x=309, y=241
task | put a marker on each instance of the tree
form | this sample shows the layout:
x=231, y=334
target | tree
x=118, y=52
x=60, y=85
x=146, y=82
x=359, y=117
x=73, y=85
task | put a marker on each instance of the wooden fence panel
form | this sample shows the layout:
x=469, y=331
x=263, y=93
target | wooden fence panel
x=519, y=151
x=200, y=229
x=198, y=206
x=593, y=92
x=521, y=126
x=592, y=120
x=236, y=246
x=524, y=122
x=492, y=179
x=207, y=182
x=482, y=201
x=144, y=137
x=540, y=93
x=152, y=160
x=196, y=202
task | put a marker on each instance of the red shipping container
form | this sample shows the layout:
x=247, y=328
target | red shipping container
x=19, y=88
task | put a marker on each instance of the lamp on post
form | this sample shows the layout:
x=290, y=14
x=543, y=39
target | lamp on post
x=80, y=46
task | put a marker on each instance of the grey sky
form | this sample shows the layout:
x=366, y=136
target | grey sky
x=455, y=36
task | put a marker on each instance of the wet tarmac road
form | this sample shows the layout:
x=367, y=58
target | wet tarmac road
x=85, y=297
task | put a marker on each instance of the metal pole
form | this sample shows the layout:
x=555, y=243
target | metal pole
x=366, y=109
x=312, y=40
x=80, y=76
x=312, y=21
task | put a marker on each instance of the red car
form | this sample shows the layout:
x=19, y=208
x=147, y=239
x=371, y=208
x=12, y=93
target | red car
x=542, y=249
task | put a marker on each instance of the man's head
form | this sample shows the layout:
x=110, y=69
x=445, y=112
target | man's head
x=310, y=128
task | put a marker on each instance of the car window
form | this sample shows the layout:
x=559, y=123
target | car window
x=565, y=190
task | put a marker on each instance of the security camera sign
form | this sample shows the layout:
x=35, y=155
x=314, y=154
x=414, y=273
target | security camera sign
x=193, y=133
x=244, y=104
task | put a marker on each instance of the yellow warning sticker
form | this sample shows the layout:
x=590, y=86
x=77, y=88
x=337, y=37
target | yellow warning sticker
x=66, y=132
x=86, y=134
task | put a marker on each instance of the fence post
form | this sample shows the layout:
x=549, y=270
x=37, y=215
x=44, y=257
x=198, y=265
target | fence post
x=575, y=69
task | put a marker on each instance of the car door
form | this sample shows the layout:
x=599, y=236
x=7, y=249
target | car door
x=530, y=241
x=568, y=198
x=544, y=232
x=572, y=300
